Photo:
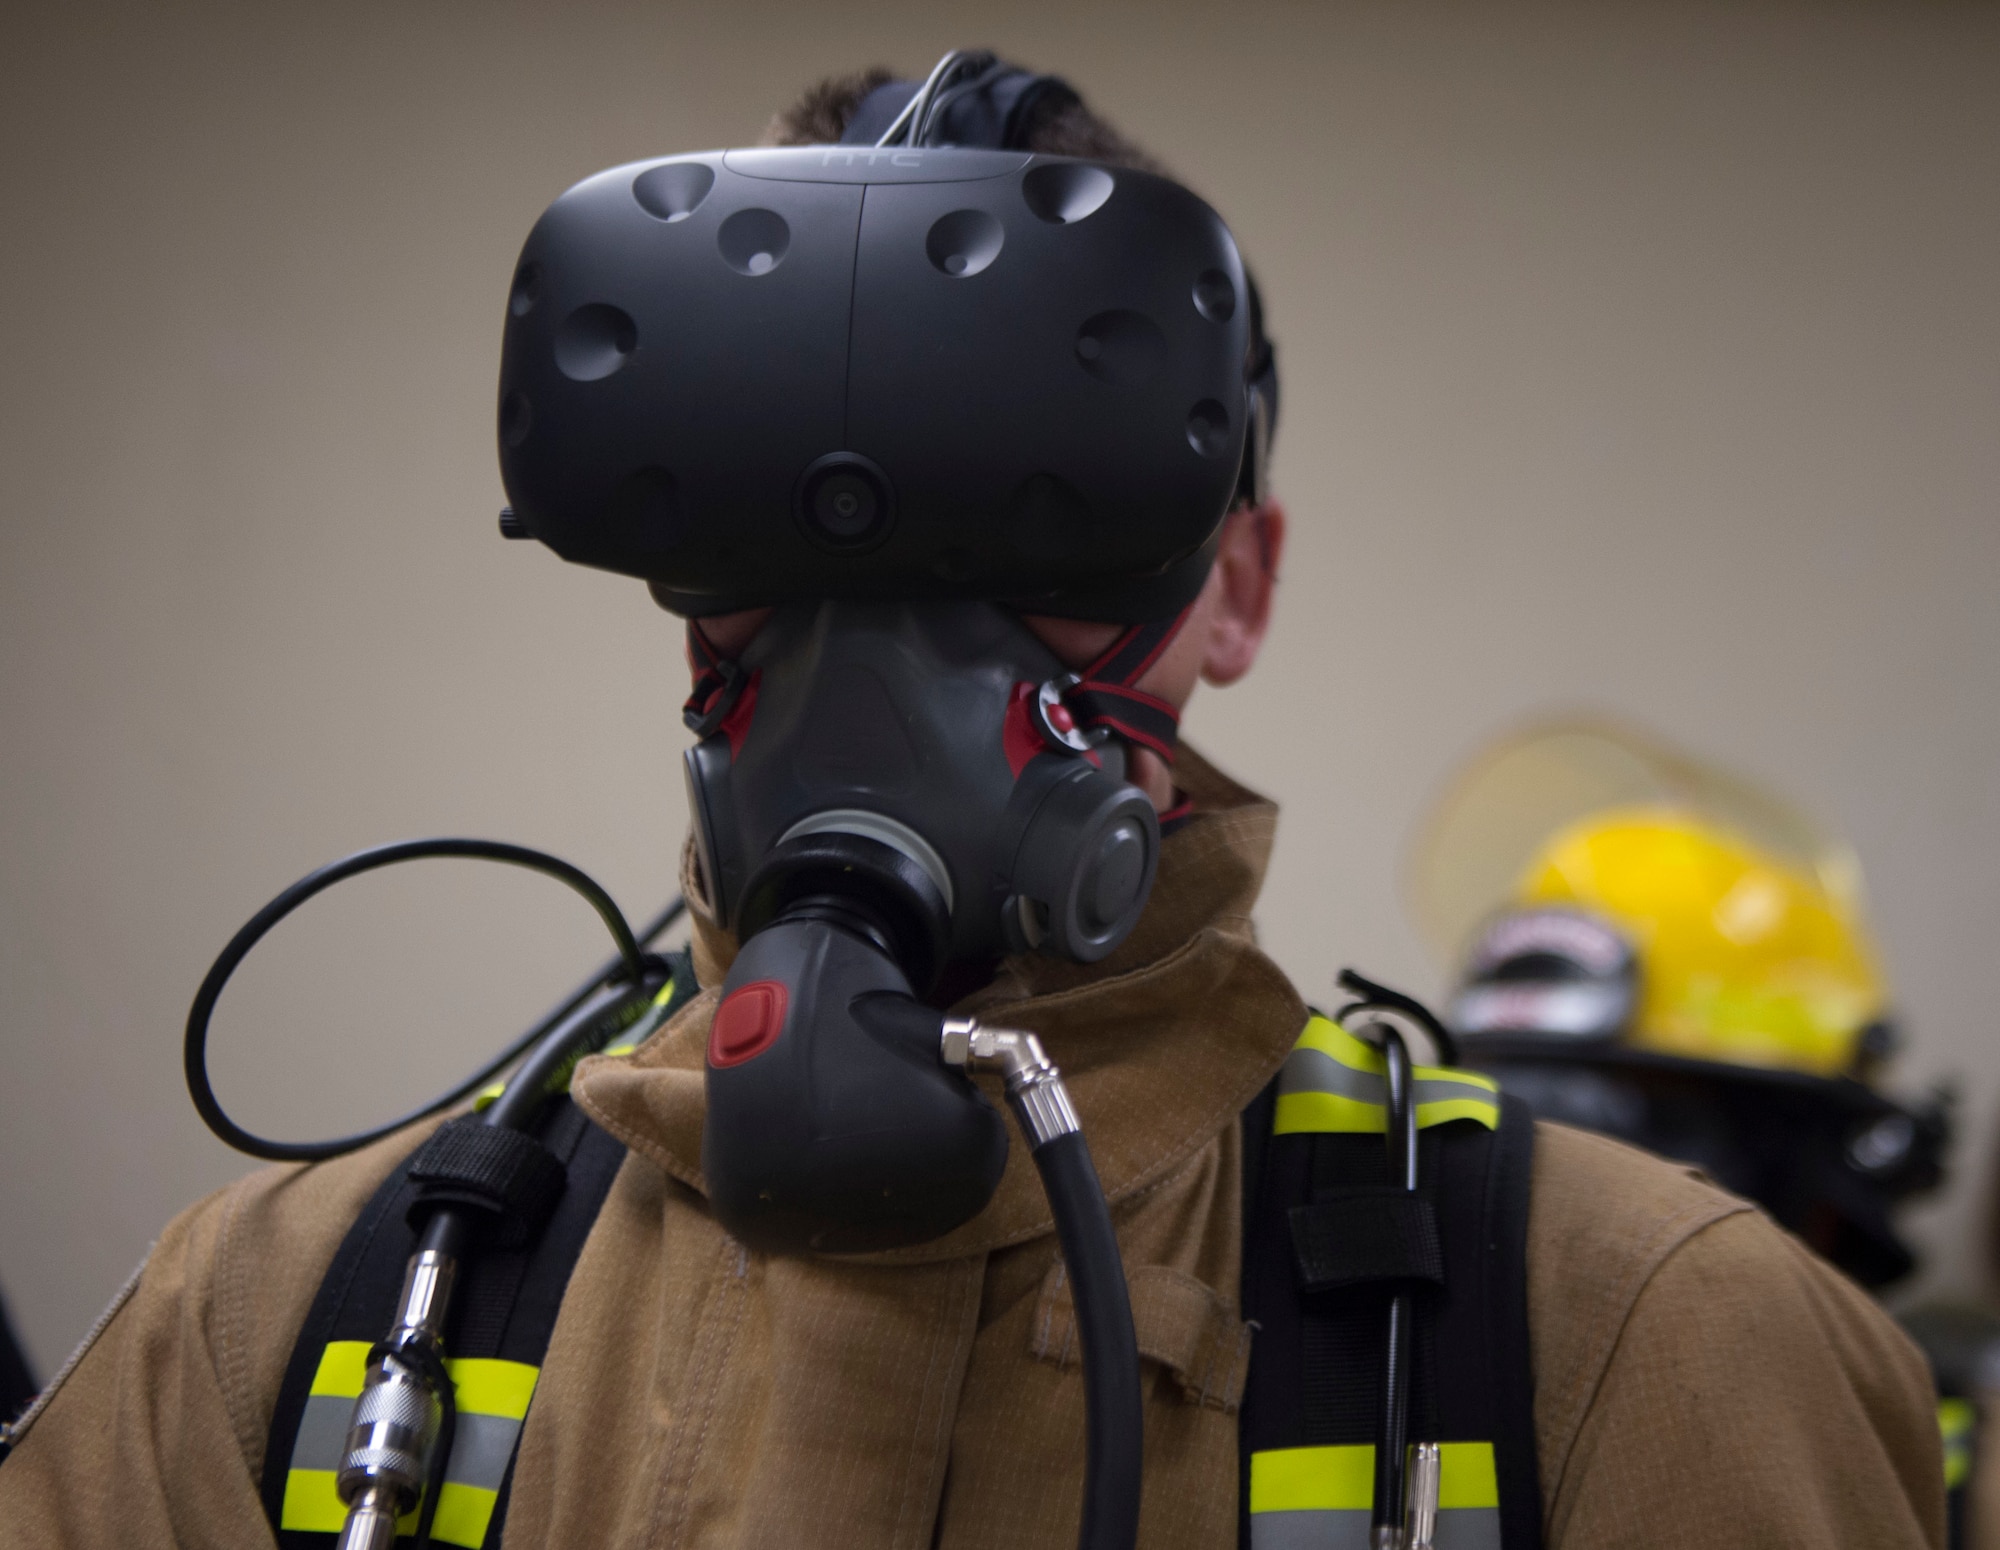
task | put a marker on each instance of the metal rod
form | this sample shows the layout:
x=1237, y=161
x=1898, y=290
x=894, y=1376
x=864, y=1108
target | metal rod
x=1392, y=1434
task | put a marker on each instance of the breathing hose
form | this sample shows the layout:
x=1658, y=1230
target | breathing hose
x=1114, y=1427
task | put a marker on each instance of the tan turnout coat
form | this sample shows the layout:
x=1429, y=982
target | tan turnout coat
x=1701, y=1379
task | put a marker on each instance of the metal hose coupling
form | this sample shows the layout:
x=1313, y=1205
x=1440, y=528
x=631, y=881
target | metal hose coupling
x=1035, y=1090
x=394, y=1433
x=1426, y=1467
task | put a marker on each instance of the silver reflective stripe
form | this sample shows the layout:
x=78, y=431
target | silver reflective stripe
x=1468, y=1528
x=480, y=1448
x=1458, y=1528
x=322, y=1436
x=1313, y=1071
x=1343, y=1529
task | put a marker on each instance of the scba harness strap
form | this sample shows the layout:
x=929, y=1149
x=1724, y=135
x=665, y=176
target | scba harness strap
x=500, y=1331
x=1323, y=1247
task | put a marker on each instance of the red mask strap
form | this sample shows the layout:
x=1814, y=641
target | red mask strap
x=1103, y=696
x=718, y=684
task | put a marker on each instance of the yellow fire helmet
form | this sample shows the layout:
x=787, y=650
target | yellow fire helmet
x=1651, y=948
x=1741, y=958
x=1594, y=884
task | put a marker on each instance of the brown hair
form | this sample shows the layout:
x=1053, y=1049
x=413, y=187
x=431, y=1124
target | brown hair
x=1057, y=127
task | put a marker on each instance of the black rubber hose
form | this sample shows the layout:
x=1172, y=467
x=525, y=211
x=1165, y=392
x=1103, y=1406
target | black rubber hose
x=526, y=1092
x=629, y=962
x=1114, y=1425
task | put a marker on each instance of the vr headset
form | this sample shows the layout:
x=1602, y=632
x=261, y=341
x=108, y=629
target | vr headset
x=886, y=371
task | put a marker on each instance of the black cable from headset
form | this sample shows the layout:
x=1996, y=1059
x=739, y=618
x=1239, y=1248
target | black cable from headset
x=629, y=964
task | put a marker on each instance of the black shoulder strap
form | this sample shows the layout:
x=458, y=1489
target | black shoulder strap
x=1509, y=1179
x=1320, y=1256
x=1258, y=1121
x=502, y=1321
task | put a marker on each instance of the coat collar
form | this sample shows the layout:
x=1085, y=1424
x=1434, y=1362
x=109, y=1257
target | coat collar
x=1161, y=1045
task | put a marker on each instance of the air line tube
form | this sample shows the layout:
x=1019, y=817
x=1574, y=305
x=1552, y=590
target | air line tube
x=1113, y=1417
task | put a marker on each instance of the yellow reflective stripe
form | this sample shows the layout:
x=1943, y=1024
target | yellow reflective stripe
x=342, y=1366
x=1467, y=1476
x=1312, y=1479
x=1332, y=1113
x=462, y=1515
x=483, y=1385
x=1335, y=1042
x=1339, y=1098
x=313, y=1506
x=1955, y=1422
x=312, y=1502
x=1448, y=1109
x=488, y=1387
x=1325, y=1113
x=1342, y=1478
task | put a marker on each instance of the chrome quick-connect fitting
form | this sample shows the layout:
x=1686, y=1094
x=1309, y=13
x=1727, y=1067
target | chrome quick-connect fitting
x=1426, y=1467
x=398, y=1414
x=1035, y=1088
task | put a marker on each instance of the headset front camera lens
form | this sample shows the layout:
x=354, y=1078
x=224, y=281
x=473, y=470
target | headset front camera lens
x=845, y=507
x=845, y=504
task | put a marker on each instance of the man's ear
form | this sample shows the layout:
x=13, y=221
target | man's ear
x=1246, y=576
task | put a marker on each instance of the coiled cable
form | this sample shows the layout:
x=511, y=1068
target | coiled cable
x=629, y=964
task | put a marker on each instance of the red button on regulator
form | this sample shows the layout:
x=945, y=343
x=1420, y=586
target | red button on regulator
x=747, y=1023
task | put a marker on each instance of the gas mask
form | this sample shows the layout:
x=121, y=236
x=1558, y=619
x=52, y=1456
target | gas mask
x=881, y=790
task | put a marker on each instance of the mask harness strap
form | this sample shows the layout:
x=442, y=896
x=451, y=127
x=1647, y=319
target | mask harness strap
x=1101, y=701
x=718, y=684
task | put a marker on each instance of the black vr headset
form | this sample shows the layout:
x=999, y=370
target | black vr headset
x=898, y=367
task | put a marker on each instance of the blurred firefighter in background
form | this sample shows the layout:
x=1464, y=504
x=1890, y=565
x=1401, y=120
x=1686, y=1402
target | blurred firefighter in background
x=1655, y=949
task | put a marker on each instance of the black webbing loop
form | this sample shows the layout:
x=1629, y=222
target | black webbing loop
x=1366, y=1234
x=506, y=1173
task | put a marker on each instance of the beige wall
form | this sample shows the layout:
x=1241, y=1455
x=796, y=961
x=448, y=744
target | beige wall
x=1638, y=359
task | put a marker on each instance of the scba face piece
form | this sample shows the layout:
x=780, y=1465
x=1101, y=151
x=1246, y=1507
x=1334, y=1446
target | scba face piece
x=759, y=376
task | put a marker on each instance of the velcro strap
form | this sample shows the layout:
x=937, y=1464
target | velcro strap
x=1366, y=1234
x=468, y=1162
